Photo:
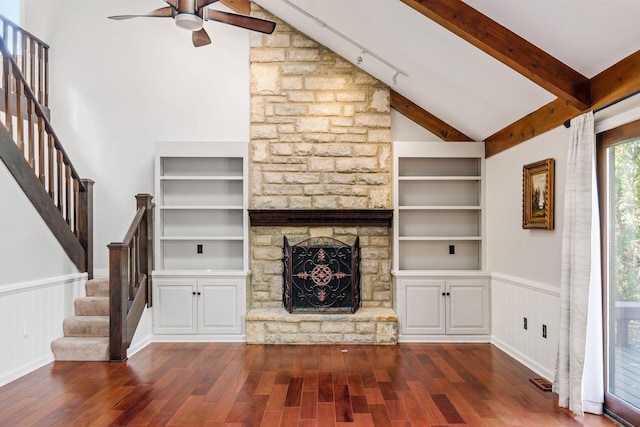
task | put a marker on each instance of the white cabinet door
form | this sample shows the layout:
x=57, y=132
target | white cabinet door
x=174, y=306
x=439, y=306
x=468, y=307
x=218, y=306
x=424, y=307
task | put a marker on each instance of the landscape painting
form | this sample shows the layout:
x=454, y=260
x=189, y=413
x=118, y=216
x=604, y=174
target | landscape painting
x=538, y=195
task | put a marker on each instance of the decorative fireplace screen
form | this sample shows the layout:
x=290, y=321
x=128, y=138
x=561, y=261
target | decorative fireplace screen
x=321, y=274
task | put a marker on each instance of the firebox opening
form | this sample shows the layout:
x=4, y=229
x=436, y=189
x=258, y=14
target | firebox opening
x=321, y=275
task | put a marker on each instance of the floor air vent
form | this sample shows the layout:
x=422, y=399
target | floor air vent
x=542, y=384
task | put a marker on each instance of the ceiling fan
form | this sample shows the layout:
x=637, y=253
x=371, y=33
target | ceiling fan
x=190, y=15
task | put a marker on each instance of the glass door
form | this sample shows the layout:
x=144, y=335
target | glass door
x=619, y=155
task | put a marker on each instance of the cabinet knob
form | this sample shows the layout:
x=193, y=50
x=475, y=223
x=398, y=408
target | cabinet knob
x=448, y=294
x=199, y=293
x=195, y=293
x=444, y=293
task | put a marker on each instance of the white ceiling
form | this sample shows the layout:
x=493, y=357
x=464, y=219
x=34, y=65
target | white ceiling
x=453, y=80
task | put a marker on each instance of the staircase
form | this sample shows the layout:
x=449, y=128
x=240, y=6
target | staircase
x=86, y=335
x=106, y=319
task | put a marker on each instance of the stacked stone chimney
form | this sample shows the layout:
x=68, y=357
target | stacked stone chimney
x=320, y=139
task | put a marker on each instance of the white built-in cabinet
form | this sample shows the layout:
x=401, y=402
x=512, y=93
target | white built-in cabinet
x=201, y=235
x=197, y=306
x=441, y=288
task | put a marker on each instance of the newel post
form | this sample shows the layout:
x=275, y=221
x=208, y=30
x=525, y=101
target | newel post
x=118, y=300
x=146, y=236
x=85, y=223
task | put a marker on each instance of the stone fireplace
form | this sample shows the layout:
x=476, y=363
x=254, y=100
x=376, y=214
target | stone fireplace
x=320, y=165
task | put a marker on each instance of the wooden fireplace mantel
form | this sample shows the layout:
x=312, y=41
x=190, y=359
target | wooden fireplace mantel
x=321, y=217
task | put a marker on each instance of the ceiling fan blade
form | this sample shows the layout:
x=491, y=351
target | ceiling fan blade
x=204, y=3
x=200, y=38
x=173, y=3
x=242, y=21
x=163, y=12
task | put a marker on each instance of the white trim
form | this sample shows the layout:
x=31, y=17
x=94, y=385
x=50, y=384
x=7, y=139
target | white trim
x=139, y=346
x=199, y=338
x=617, y=114
x=23, y=370
x=527, y=284
x=524, y=359
x=404, y=338
x=41, y=283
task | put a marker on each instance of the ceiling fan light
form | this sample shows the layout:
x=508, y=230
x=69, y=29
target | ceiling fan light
x=188, y=21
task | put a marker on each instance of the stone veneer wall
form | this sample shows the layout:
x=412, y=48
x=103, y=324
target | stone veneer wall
x=320, y=139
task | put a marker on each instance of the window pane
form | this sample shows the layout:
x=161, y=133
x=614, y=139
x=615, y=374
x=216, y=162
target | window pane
x=624, y=274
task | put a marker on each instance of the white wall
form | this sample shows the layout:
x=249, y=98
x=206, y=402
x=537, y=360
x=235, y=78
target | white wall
x=38, y=283
x=530, y=254
x=28, y=250
x=117, y=87
x=525, y=264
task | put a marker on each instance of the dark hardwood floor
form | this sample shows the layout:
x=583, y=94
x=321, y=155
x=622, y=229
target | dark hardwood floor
x=215, y=384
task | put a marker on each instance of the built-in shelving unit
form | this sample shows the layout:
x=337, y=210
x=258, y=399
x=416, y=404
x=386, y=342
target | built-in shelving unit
x=439, y=211
x=438, y=239
x=201, y=229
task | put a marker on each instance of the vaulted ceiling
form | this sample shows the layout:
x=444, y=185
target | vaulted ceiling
x=501, y=71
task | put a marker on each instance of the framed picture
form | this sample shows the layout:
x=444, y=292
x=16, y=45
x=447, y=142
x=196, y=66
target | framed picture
x=538, y=194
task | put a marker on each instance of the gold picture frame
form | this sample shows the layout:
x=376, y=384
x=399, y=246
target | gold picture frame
x=538, y=194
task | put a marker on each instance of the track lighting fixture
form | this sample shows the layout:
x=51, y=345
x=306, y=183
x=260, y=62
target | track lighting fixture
x=364, y=51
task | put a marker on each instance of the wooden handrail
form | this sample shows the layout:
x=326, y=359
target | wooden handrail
x=27, y=125
x=130, y=266
x=31, y=55
x=49, y=160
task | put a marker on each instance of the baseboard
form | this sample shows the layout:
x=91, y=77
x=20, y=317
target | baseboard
x=26, y=369
x=444, y=339
x=524, y=359
x=200, y=338
x=140, y=345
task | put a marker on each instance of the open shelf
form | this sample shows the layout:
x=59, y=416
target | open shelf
x=438, y=194
x=201, y=218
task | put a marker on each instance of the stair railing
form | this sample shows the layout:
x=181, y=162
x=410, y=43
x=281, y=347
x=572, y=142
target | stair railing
x=130, y=266
x=28, y=126
x=31, y=55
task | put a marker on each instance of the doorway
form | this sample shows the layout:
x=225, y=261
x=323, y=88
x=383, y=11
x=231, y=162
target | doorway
x=619, y=177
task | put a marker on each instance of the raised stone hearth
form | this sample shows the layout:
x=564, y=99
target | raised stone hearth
x=366, y=326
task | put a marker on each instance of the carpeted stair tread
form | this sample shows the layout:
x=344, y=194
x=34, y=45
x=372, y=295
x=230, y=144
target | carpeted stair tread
x=91, y=306
x=86, y=326
x=81, y=349
x=97, y=287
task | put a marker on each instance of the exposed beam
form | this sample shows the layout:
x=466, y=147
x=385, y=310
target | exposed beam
x=508, y=48
x=240, y=6
x=616, y=82
x=426, y=119
x=545, y=118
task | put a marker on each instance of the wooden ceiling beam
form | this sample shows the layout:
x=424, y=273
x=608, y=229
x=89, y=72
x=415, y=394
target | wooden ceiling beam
x=239, y=6
x=616, y=82
x=426, y=119
x=508, y=48
x=544, y=119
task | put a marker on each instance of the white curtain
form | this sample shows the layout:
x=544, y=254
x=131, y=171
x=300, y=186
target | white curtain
x=579, y=372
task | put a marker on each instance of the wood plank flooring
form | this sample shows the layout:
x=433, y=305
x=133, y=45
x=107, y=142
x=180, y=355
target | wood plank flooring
x=218, y=384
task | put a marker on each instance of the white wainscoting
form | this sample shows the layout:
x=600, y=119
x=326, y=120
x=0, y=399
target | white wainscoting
x=31, y=316
x=513, y=299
